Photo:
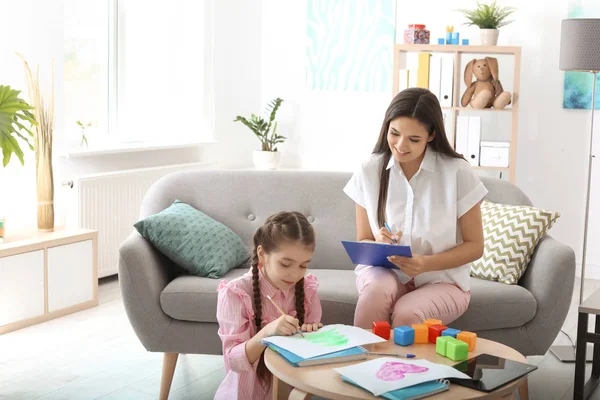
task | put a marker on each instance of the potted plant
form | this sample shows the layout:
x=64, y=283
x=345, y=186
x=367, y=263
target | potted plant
x=15, y=114
x=489, y=18
x=266, y=131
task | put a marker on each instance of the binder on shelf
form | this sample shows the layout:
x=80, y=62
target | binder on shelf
x=447, y=80
x=435, y=74
x=423, y=70
x=462, y=136
x=403, y=79
x=474, y=140
x=412, y=65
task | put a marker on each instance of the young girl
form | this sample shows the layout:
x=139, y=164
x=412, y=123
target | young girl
x=283, y=248
x=430, y=197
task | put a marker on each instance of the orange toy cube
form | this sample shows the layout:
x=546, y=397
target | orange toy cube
x=435, y=331
x=469, y=338
x=382, y=329
x=431, y=322
x=421, y=333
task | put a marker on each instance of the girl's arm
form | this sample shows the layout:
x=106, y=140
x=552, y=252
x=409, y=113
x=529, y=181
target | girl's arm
x=469, y=250
x=363, y=230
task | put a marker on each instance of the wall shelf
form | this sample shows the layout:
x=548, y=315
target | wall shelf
x=458, y=51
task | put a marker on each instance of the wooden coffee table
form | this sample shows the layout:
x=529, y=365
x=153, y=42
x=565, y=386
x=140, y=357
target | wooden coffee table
x=323, y=381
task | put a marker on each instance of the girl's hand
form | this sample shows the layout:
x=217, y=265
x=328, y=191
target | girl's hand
x=311, y=327
x=285, y=325
x=411, y=266
x=385, y=236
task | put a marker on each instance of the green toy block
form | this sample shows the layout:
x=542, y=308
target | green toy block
x=457, y=350
x=441, y=344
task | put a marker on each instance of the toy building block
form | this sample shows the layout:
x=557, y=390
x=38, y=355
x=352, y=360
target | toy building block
x=431, y=322
x=441, y=344
x=457, y=350
x=382, y=329
x=404, y=335
x=469, y=338
x=421, y=333
x=451, y=332
x=435, y=331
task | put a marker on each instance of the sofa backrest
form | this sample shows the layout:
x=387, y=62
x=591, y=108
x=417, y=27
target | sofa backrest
x=243, y=199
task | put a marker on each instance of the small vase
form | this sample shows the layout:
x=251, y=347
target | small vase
x=266, y=160
x=489, y=37
x=45, y=190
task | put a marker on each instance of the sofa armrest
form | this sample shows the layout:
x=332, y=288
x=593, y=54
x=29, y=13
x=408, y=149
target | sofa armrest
x=143, y=274
x=550, y=278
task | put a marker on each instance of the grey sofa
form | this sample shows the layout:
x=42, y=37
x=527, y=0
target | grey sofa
x=174, y=313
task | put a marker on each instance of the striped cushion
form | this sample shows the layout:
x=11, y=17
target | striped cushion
x=511, y=234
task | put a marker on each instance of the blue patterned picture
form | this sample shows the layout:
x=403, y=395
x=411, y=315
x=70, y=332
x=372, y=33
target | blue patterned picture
x=578, y=85
x=350, y=45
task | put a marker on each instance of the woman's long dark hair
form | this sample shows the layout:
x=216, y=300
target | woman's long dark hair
x=283, y=226
x=422, y=105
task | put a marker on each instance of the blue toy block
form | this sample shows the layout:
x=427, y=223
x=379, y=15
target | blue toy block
x=450, y=332
x=404, y=335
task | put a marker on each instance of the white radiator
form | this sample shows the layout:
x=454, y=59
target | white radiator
x=110, y=203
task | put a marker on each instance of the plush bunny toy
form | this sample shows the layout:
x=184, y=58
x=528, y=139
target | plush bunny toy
x=486, y=91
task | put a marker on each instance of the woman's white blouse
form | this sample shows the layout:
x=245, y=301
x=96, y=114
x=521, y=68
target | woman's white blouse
x=426, y=209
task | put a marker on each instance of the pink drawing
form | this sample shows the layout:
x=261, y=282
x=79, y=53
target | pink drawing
x=394, y=371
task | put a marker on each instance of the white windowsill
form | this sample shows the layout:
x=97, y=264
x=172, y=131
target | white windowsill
x=131, y=147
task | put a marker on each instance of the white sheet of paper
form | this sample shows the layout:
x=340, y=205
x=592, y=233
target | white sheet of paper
x=385, y=374
x=326, y=340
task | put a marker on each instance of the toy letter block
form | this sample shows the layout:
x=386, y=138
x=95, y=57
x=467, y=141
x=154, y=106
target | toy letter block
x=435, y=331
x=469, y=338
x=431, y=322
x=457, y=350
x=441, y=344
x=451, y=332
x=382, y=329
x=404, y=335
x=421, y=333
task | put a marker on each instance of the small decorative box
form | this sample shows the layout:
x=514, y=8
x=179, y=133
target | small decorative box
x=494, y=154
x=416, y=34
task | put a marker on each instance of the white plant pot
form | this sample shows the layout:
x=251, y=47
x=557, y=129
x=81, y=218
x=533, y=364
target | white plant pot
x=266, y=160
x=488, y=37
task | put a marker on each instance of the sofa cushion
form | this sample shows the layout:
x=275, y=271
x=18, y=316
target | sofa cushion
x=194, y=298
x=191, y=239
x=493, y=305
x=496, y=305
x=511, y=234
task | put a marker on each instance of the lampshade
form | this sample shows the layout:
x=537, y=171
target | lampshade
x=580, y=44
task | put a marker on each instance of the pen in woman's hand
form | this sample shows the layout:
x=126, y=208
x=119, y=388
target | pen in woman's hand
x=390, y=229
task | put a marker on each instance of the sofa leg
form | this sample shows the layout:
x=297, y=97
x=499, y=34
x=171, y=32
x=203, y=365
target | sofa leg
x=168, y=369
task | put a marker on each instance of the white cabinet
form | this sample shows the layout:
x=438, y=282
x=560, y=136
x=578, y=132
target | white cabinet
x=69, y=275
x=47, y=275
x=21, y=287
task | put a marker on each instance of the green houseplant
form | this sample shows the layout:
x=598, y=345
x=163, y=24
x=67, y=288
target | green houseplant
x=16, y=119
x=488, y=18
x=266, y=131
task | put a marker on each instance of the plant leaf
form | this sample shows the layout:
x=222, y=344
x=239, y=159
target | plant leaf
x=14, y=113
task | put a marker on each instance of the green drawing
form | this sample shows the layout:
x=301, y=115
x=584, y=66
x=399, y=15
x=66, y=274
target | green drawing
x=328, y=338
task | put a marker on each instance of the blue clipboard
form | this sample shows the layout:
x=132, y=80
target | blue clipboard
x=373, y=253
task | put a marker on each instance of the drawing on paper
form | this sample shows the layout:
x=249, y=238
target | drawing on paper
x=328, y=338
x=395, y=370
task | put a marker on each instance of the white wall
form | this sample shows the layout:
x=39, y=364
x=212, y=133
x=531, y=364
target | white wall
x=552, y=145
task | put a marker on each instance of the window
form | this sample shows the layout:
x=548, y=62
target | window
x=140, y=70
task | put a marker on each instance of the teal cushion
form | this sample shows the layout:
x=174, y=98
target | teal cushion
x=193, y=240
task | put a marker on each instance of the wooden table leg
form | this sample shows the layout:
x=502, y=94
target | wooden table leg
x=524, y=390
x=298, y=394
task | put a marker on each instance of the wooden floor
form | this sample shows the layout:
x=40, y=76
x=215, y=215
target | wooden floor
x=94, y=354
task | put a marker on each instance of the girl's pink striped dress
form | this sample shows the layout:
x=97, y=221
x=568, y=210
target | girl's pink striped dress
x=235, y=314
